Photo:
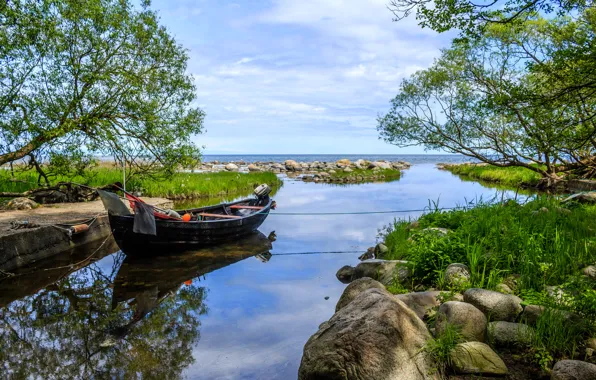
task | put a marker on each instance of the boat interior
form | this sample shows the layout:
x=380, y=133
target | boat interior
x=235, y=210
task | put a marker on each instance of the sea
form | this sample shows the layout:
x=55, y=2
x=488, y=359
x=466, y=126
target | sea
x=411, y=158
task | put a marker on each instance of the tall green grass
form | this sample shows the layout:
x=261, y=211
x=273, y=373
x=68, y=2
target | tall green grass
x=543, y=242
x=190, y=185
x=510, y=176
x=367, y=173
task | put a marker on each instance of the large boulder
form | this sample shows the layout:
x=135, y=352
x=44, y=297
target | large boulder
x=573, y=370
x=354, y=289
x=342, y=163
x=19, y=204
x=344, y=274
x=476, y=358
x=420, y=302
x=374, y=337
x=382, y=165
x=457, y=274
x=508, y=334
x=381, y=250
x=470, y=321
x=231, y=167
x=253, y=168
x=496, y=306
x=385, y=271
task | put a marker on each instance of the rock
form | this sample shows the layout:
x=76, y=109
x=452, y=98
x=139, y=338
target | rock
x=512, y=281
x=332, y=171
x=382, y=165
x=476, y=358
x=292, y=166
x=582, y=198
x=369, y=254
x=342, y=163
x=437, y=230
x=253, y=168
x=420, y=302
x=372, y=165
x=496, y=306
x=374, y=337
x=354, y=289
x=385, y=271
x=231, y=167
x=344, y=274
x=20, y=204
x=591, y=343
x=573, y=370
x=380, y=250
x=324, y=175
x=466, y=317
x=457, y=274
x=502, y=288
x=507, y=334
x=590, y=271
x=348, y=170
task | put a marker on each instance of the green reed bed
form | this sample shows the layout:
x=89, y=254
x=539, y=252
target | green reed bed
x=510, y=176
x=367, y=174
x=539, y=244
x=180, y=185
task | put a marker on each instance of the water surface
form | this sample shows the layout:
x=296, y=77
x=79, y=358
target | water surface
x=221, y=313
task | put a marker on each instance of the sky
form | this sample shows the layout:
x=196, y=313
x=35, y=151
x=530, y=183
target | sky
x=297, y=76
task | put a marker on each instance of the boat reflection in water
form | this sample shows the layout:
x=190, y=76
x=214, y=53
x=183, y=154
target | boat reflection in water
x=127, y=317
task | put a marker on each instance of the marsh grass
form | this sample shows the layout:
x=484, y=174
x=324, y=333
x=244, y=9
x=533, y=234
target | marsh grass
x=509, y=176
x=191, y=185
x=542, y=241
x=389, y=174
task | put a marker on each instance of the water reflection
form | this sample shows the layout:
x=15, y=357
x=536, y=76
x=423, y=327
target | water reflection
x=123, y=316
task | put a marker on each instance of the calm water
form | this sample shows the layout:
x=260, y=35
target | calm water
x=214, y=314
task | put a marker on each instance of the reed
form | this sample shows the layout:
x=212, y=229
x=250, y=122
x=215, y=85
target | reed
x=510, y=176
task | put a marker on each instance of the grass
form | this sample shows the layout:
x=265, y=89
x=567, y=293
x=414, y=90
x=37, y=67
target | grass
x=180, y=185
x=439, y=348
x=542, y=241
x=367, y=173
x=510, y=176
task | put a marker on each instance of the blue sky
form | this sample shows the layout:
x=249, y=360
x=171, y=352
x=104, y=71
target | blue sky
x=290, y=77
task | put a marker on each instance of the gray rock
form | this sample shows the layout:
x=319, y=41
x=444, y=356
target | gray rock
x=476, y=358
x=292, y=165
x=573, y=370
x=253, y=168
x=532, y=313
x=385, y=271
x=348, y=170
x=466, y=317
x=420, y=302
x=368, y=255
x=20, y=204
x=231, y=167
x=496, y=306
x=591, y=343
x=344, y=274
x=457, y=274
x=503, y=288
x=507, y=334
x=374, y=337
x=354, y=289
x=590, y=271
x=380, y=250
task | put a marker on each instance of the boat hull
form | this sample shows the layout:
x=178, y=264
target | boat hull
x=194, y=233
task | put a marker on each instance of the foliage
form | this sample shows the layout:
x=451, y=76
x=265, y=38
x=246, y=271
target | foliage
x=510, y=176
x=192, y=185
x=439, y=349
x=94, y=77
x=505, y=98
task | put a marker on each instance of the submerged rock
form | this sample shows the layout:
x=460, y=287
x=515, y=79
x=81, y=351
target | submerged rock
x=476, y=358
x=573, y=370
x=470, y=321
x=385, y=271
x=374, y=337
x=496, y=306
x=354, y=289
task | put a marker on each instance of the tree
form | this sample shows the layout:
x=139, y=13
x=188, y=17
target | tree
x=485, y=98
x=94, y=77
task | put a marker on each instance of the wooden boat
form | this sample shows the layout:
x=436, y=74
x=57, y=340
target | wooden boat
x=210, y=225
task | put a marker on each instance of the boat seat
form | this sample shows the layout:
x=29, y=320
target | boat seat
x=238, y=207
x=204, y=214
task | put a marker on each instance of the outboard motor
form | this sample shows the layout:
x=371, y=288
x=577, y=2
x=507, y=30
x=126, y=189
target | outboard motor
x=262, y=192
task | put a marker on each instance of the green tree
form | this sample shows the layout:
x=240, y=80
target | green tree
x=93, y=77
x=493, y=99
